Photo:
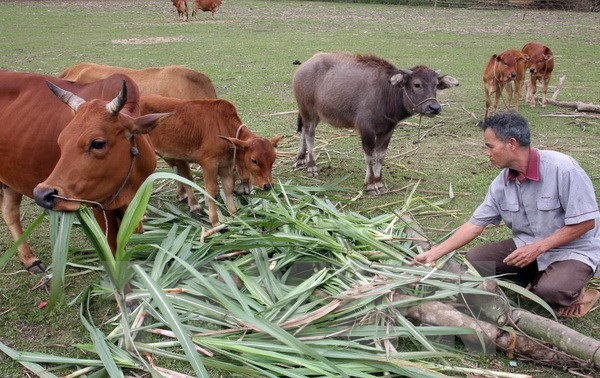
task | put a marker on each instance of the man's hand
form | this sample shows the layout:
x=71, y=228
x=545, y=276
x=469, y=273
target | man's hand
x=523, y=256
x=424, y=258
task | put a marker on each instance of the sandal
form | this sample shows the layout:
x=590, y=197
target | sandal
x=582, y=305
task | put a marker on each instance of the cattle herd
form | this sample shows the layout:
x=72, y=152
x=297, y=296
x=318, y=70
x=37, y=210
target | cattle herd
x=91, y=135
x=199, y=5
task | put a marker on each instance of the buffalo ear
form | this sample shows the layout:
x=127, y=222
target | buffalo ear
x=236, y=142
x=147, y=123
x=276, y=139
x=401, y=78
x=446, y=81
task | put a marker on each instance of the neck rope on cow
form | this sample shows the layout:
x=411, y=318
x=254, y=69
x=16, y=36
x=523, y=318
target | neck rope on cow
x=99, y=206
x=237, y=136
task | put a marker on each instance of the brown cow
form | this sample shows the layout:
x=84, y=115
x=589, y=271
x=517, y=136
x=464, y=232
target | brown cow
x=98, y=157
x=540, y=65
x=210, y=133
x=206, y=6
x=366, y=93
x=499, y=74
x=169, y=81
x=182, y=10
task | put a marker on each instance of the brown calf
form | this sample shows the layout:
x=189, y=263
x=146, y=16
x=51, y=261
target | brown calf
x=540, y=65
x=182, y=11
x=500, y=71
x=206, y=6
x=210, y=133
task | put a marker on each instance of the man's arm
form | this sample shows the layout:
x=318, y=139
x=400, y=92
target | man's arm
x=465, y=234
x=526, y=254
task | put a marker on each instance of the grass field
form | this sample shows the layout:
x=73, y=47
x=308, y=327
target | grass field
x=247, y=50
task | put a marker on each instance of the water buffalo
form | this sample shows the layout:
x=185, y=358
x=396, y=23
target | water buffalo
x=366, y=93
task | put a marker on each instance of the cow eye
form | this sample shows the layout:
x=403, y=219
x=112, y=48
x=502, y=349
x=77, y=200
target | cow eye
x=254, y=161
x=97, y=144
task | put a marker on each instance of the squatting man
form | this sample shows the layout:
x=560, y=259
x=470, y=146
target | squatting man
x=548, y=202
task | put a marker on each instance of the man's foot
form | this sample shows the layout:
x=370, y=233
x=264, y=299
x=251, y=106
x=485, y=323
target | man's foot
x=582, y=305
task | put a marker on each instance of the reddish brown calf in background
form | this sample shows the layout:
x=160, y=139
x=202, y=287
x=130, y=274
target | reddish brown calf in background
x=210, y=133
x=540, y=65
x=499, y=73
x=182, y=11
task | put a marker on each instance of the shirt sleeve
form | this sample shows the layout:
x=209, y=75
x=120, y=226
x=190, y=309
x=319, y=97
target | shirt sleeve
x=488, y=212
x=577, y=196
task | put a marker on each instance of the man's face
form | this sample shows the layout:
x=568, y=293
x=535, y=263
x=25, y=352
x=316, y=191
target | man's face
x=497, y=151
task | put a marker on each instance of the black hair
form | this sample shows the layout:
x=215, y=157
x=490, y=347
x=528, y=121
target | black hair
x=508, y=125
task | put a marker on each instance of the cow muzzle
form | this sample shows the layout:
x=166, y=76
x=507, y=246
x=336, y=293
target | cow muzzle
x=45, y=197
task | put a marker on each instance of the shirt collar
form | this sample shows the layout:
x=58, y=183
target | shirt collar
x=533, y=167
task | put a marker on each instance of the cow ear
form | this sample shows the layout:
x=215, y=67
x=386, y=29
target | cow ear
x=276, y=139
x=446, y=81
x=400, y=78
x=146, y=123
x=497, y=57
x=236, y=142
x=526, y=57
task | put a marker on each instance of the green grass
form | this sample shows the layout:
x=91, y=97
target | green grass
x=248, y=50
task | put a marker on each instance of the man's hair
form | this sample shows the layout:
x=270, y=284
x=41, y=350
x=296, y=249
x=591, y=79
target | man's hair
x=508, y=125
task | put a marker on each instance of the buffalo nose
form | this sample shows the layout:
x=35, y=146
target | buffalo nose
x=435, y=108
x=45, y=197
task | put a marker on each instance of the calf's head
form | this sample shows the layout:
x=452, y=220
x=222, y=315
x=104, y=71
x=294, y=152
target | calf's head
x=419, y=86
x=507, y=65
x=98, y=155
x=255, y=158
x=542, y=61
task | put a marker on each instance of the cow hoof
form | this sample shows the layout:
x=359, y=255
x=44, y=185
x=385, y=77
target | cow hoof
x=196, y=211
x=242, y=190
x=182, y=198
x=36, y=267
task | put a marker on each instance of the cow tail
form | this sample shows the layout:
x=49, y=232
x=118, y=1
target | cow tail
x=299, y=124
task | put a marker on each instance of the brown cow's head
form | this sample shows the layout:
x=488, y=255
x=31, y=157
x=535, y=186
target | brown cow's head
x=542, y=61
x=255, y=158
x=507, y=65
x=420, y=85
x=99, y=157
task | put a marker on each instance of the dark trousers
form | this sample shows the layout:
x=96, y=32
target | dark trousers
x=559, y=285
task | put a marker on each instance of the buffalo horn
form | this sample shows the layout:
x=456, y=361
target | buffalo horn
x=67, y=97
x=115, y=106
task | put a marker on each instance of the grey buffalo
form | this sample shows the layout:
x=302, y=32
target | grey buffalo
x=366, y=93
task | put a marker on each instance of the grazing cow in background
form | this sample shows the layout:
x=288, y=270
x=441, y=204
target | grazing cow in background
x=540, y=65
x=169, y=81
x=206, y=6
x=366, y=93
x=182, y=10
x=210, y=133
x=83, y=152
x=499, y=74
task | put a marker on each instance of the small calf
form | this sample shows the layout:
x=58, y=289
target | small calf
x=540, y=65
x=182, y=10
x=210, y=133
x=499, y=73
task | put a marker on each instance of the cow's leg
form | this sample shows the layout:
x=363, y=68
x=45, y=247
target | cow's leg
x=545, y=82
x=185, y=192
x=10, y=201
x=532, y=90
x=509, y=95
x=499, y=90
x=518, y=88
x=488, y=101
x=227, y=182
x=212, y=188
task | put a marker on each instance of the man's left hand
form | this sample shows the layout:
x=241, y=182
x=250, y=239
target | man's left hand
x=523, y=256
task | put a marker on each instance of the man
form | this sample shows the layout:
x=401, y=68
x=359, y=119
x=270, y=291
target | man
x=548, y=202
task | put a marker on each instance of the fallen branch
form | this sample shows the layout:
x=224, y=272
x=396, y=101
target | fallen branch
x=577, y=105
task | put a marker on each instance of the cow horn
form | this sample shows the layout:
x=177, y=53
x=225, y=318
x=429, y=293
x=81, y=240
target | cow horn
x=67, y=97
x=115, y=106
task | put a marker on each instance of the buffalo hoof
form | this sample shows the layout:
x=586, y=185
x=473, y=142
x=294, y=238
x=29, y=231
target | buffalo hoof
x=299, y=164
x=36, y=267
x=242, y=189
x=376, y=188
x=312, y=171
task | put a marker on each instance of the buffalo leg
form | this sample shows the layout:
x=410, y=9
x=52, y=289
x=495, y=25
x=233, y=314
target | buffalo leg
x=211, y=185
x=10, y=201
x=185, y=191
x=374, y=147
x=306, y=154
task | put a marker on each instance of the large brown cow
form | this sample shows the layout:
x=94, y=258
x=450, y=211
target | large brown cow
x=540, y=65
x=93, y=154
x=210, y=133
x=366, y=93
x=500, y=72
x=206, y=6
x=169, y=81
